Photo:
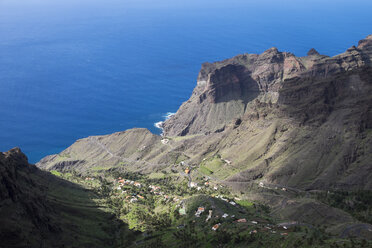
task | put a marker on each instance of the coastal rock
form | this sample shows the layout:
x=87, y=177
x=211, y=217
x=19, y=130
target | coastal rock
x=224, y=89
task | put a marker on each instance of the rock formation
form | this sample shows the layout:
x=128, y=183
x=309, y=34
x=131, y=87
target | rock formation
x=225, y=88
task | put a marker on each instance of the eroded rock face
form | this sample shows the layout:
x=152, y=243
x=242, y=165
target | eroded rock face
x=224, y=89
x=231, y=82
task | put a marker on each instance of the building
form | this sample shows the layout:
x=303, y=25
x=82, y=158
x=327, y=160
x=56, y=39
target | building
x=227, y=161
x=193, y=184
x=182, y=211
x=199, y=211
x=209, y=216
x=215, y=227
x=137, y=184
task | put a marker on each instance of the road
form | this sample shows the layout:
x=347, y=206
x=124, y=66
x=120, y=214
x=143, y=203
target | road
x=188, y=176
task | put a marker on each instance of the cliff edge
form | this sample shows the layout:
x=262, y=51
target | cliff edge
x=225, y=89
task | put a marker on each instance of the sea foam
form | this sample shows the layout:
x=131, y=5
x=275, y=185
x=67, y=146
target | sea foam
x=159, y=124
x=168, y=115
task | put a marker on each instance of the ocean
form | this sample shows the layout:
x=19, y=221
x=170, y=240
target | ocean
x=70, y=69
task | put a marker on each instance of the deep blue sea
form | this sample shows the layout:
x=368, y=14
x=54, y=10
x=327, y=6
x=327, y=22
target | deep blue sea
x=70, y=69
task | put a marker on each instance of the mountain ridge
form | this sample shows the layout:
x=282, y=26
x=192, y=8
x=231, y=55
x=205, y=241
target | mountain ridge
x=301, y=122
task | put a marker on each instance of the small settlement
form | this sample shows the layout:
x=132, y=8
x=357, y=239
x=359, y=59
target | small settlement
x=134, y=192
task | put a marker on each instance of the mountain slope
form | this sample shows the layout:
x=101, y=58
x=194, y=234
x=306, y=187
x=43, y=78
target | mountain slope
x=38, y=209
x=302, y=122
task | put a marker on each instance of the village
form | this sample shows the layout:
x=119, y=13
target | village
x=190, y=208
x=157, y=205
x=142, y=193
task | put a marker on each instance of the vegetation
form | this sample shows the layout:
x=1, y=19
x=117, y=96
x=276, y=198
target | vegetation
x=155, y=219
x=357, y=203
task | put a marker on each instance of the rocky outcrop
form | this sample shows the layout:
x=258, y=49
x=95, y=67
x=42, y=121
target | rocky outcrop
x=312, y=52
x=225, y=89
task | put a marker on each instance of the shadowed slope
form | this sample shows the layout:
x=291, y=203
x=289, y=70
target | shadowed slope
x=41, y=210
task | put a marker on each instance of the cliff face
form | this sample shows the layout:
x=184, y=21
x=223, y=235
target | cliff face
x=225, y=89
x=303, y=122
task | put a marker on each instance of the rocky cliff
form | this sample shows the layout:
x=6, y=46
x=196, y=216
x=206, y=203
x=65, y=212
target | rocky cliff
x=225, y=89
x=301, y=122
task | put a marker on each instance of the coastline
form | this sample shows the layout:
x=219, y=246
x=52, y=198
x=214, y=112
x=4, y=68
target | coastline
x=159, y=124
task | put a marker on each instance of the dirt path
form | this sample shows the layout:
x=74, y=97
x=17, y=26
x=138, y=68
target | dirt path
x=94, y=141
x=295, y=223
